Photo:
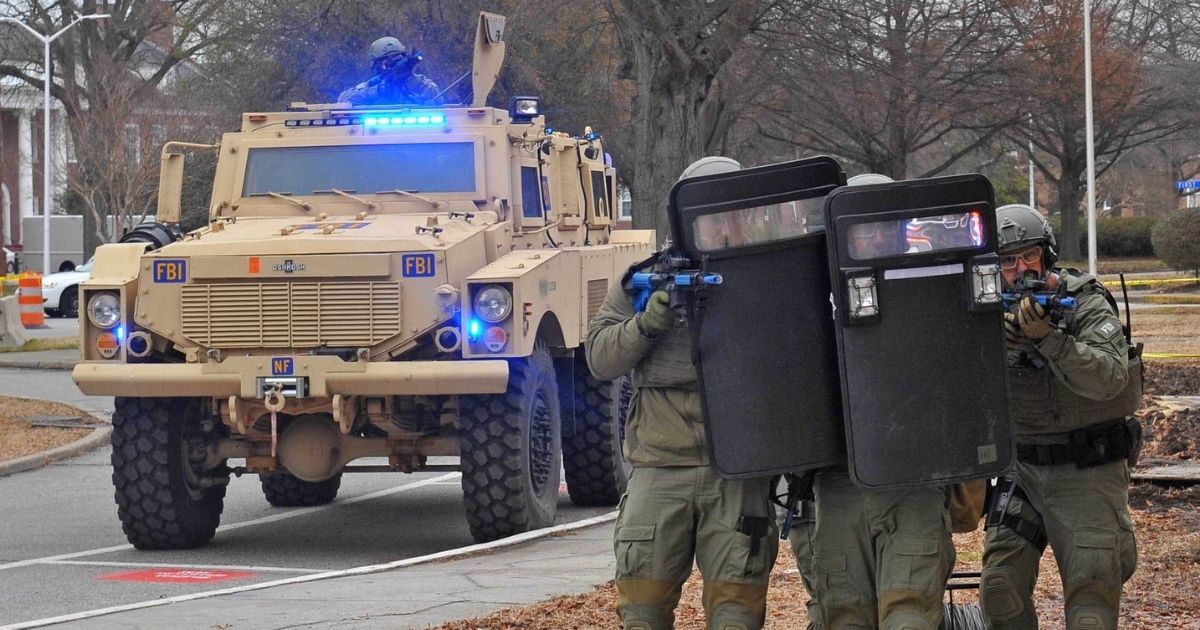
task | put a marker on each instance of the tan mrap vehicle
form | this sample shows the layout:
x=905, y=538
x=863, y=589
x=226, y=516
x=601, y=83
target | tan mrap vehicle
x=389, y=282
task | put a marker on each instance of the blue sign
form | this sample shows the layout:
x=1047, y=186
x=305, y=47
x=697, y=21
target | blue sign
x=418, y=265
x=1187, y=184
x=170, y=271
x=282, y=366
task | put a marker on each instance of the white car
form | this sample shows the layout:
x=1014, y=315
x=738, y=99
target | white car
x=10, y=261
x=60, y=291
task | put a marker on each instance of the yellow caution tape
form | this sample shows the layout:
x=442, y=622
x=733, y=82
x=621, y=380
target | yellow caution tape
x=1168, y=355
x=1150, y=281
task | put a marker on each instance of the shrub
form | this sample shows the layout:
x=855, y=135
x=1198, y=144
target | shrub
x=1177, y=240
x=1115, y=236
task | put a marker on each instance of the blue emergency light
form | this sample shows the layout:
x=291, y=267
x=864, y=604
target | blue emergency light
x=381, y=121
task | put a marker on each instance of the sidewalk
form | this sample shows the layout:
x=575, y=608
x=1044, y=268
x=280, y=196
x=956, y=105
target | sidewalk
x=42, y=360
x=419, y=596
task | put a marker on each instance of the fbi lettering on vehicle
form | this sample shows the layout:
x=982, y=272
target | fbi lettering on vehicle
x=170, y=271
x=282, y=366
x=418, y=265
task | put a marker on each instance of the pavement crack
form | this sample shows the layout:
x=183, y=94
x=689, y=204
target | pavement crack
x=363, y=617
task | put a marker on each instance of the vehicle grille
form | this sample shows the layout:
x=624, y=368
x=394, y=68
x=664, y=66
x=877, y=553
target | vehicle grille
x=291, y=315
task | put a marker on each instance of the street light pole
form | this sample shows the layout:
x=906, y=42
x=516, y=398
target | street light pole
x=1091, y=149
x=1032, y=193
x=46, y=203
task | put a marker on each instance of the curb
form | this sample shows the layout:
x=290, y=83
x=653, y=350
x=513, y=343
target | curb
x=97, y=438
x=38, y=365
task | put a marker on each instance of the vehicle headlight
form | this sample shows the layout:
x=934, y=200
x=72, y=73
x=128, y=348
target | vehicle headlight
x=104, y=310
x=493, y=304
x=49, y=284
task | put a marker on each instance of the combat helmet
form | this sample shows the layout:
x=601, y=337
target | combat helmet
x=386, y=47
x=867, y=179
x=1021, y=226
x=710, y=165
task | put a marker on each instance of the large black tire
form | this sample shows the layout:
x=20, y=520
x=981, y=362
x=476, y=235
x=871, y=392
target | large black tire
x=596, y=471
x=68, y=303
x=962, y=617
x=283, y=489
x=158, y=500
x=511, y=451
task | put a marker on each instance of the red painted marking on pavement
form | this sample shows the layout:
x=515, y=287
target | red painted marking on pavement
x=176, y=576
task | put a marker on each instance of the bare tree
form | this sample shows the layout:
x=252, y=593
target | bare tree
x=1132, y=103
x=880, y=81
x=677, y=54
x=116, y=68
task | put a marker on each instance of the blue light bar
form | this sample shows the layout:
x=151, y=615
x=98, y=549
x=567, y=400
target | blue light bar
x=473, y=329
x=121, y=333
x=369, y=121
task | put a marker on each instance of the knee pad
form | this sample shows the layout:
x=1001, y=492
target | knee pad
x=906, y=621
x=1090, y=618
x=639, y=617
x=998, y=593
x=732, y=617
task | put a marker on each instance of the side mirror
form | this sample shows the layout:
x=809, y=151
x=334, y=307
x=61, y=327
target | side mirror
x=170, y=187
x=170, y=180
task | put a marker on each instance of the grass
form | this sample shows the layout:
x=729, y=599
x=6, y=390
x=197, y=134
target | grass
x=1118, y=265
x=54, y=343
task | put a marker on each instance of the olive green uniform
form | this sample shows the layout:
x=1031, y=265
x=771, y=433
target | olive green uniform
x=1085, y=383
x=676, y=506
x=800, y=537
x=881, y=557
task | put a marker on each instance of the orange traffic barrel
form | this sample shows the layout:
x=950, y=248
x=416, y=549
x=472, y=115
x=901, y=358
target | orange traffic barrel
x=30, y=299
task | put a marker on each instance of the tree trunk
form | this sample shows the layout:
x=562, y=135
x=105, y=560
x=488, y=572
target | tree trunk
x=1069, y=194
x=674, y=54
x=666, y=141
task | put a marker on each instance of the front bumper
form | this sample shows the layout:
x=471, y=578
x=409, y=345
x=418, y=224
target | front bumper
x=326, y=376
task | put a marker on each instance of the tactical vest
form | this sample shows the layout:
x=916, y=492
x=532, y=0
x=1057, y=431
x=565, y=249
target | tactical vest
x=1040, y=404
x=669, y=362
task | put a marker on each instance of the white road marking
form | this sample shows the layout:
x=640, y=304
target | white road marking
x=293, y=513
x=211, y=567
x=363, y=570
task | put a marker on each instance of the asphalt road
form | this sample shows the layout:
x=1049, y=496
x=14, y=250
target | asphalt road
x=61, y=542
x=55, y=327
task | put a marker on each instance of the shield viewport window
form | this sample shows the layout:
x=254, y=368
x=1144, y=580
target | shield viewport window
x=923, y=235
x=732, y=229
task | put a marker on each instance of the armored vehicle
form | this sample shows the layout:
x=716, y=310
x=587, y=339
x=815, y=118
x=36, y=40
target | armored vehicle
x=398, y=283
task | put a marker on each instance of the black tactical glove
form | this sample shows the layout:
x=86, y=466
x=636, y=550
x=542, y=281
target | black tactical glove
x=658, y=316
x=1035, y=320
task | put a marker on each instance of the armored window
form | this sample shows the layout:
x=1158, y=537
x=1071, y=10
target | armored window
x=599, y=197
x=366, y=168
x=755, y=226
x=917, y=235
x=531, y=193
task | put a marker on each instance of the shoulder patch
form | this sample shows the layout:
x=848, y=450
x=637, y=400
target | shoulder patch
x=1108, y=328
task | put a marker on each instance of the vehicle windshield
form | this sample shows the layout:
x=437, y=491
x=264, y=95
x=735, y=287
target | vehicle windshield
x=87, y=266
x=430, y=167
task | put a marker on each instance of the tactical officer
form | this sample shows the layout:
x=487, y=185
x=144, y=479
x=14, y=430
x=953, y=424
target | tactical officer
x=677, y=507
x=396, y=79
x=1071, y=384
x=881, y=557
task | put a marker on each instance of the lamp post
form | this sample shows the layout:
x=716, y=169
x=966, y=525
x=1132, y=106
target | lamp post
x=1091, y=149
x=46, y=41
x=1032, y=190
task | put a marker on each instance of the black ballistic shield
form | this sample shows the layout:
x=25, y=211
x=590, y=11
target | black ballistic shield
x=763, y=338
x=919, y=330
